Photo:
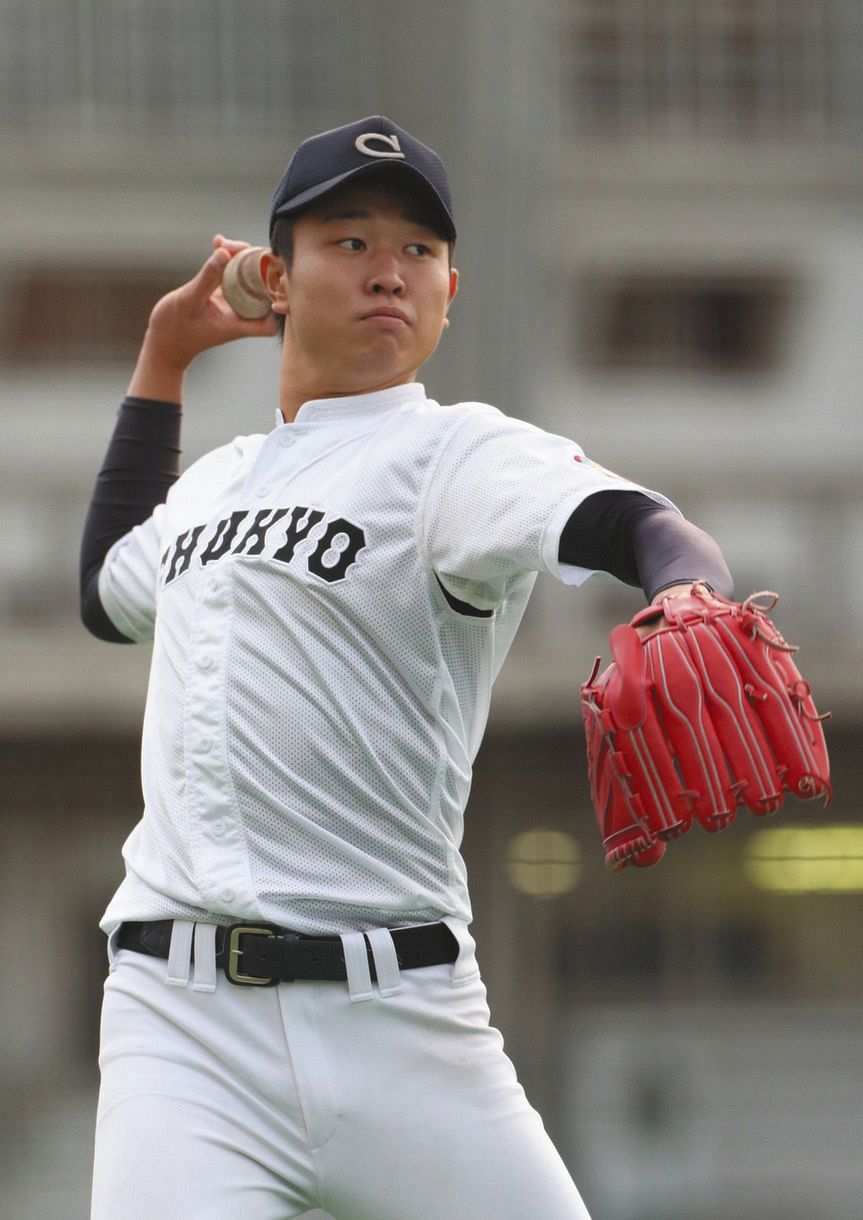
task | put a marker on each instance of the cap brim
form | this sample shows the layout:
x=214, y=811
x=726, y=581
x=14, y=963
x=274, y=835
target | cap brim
x=419, y=182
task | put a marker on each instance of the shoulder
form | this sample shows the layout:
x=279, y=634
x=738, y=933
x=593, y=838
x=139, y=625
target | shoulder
x=469, y=410
x=482, y=417
x=232, y=454
x=482, y=430
x=434, y=416
x=200, y=487
x=223, y=462
x=454, y=422
x=421, y=430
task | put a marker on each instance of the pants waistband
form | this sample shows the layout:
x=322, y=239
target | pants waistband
x=257, y=955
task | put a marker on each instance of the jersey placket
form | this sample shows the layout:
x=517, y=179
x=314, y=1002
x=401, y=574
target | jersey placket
x=220, y=846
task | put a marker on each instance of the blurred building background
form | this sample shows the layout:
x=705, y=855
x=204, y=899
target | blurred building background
x=661, y=247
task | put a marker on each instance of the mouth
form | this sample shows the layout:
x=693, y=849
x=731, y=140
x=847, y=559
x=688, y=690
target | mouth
x=387, y=314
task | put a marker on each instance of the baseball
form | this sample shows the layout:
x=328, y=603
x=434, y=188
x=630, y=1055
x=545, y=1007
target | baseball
x=242, y=285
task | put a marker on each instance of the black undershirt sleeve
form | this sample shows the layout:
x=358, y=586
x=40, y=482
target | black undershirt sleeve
x=642, y=543
x=141, y=465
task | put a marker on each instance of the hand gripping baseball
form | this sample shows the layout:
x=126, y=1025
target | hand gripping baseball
x=190, y=320
x=702, y=710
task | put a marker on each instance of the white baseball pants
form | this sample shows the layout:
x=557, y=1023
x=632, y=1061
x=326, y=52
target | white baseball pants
x=386, y=1101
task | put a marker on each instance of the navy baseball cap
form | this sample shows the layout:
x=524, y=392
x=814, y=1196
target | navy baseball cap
x=371, y=145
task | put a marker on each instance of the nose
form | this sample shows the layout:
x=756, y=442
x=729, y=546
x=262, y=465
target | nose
x=386, y=278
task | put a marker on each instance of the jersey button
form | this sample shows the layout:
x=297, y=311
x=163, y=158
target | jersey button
x=227, y=896
x=219, y=830
x=263, y=491
x=204, y=662
x=285, y=439
x=205, y=746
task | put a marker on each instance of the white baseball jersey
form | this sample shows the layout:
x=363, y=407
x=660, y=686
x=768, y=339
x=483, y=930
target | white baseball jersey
x=315, y=700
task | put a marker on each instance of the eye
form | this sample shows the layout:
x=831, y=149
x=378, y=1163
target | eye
x=352, y=243
x=419, y=248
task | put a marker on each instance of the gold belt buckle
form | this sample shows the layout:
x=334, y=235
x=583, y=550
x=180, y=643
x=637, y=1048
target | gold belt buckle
x=233, y=952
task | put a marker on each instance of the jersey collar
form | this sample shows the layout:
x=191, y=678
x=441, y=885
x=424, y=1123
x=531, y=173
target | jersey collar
x=353, y=406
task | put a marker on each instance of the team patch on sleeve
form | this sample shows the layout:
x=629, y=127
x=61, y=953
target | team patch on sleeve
x=586, y=461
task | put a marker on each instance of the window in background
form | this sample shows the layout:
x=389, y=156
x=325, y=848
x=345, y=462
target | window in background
x=729, y=69
x=74, y=314
x=708, y=323
x=191, y=70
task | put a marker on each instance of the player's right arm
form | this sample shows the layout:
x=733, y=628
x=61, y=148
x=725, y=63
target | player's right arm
x=142, y=462
x=188, y=321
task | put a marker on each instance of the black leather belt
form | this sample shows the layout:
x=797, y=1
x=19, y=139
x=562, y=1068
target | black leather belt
x=261, y=955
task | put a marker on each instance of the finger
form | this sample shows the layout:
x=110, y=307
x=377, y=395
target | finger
x=209, y=278
x=231, y=244
x=231, y=326
x=265, y=327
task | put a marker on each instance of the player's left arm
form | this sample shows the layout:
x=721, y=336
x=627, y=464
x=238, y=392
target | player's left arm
x=642, y=542
x=537, y=504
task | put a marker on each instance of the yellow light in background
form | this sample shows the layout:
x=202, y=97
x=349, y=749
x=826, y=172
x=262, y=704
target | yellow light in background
x=807, y=859
x=544, y=863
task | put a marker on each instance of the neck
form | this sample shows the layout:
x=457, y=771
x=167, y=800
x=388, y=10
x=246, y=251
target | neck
x=294, y=391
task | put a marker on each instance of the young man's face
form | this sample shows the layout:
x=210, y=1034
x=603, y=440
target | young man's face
x=367, y=291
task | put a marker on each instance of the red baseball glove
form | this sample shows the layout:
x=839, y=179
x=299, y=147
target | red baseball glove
x=701, y=710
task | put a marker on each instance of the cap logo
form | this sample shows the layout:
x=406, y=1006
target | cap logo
x=393, y=149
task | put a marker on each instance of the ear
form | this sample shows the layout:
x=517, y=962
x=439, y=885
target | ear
x=453, y=289
x=275, y=281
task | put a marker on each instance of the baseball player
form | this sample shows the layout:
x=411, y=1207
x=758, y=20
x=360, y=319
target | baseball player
x=294, y=1017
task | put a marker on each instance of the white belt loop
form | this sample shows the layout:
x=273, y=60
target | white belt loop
x=464, y=968
x=386, y=961
x=112, y=948
x=205, y=957
x=180, y=955
x=357, y=966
